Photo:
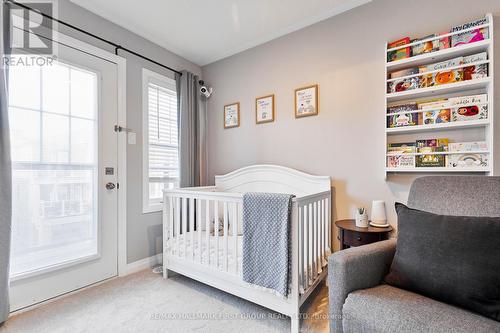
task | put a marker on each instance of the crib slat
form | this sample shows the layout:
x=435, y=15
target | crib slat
x=171, y=220
x=184, y=225
x=329, y=222
x=325, y=236
x=313, y=234
x=216, y=232
x=178, y=225
x=318, y=236
x=198, y=227
x=235, y=223
x=191, y=225
x=301, y=247
x=306, y=247
x=226, y=235
x=207, y=230
x=323, y=232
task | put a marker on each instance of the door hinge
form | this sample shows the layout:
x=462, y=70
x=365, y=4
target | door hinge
x=119, y=128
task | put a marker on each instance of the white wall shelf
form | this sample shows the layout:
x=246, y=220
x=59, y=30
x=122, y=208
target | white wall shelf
x=439, y=169
x=438, y=56
x=444, y=89
x=478, y=130
x=443, y=126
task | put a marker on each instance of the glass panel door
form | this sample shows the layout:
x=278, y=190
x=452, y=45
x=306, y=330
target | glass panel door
x=54, y=136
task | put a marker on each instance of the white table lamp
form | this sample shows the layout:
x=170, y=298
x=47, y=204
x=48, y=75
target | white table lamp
x=379, y=217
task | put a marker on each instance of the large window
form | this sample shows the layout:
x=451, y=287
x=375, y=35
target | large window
x=160, y=138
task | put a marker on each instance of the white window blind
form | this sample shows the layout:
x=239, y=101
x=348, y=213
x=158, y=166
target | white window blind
x=162, y=139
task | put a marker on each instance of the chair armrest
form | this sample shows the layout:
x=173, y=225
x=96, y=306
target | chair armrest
x=353, y=269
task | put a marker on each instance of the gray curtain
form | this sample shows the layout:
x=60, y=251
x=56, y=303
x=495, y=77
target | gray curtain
x=5, y=183
x=192, y=131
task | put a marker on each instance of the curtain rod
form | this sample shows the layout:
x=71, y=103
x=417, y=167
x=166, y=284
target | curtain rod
x=116, y=46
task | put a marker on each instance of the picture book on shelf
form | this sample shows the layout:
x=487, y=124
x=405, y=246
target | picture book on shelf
x=441, y=78
x=403, y=85
x=432, y=145
x=467, y=160
x=468, y=146
x=400, y=53
x=433, y=104
x=479, y=57
x=425, y=47
x=441, y=65
x=409, y=106
x=402, y=119
x=469, y=107
x=401, y=148
x=435, y=117
x=471, y=36
x=444, y=43
x=401, y=161
x=430, y=161
x=404, y=72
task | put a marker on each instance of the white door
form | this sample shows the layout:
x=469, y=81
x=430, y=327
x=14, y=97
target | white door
x=64, y=153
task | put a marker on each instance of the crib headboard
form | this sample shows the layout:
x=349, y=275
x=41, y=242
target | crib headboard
x=272, y=178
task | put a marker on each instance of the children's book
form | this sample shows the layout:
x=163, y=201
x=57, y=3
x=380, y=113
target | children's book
x=468, y=100
x=471, y=36
x=403, y=85
x=401, y=161
x=469, y=107
x=433, y=104
x=430, y=161
x=401, y=148
x=441, y=65
x=402, y=119
x=400, y=53
x=409, y=106
x=467, y=160
x=425, y=47
x=404, y=72
x=468, y=146
x=441, y=78
x=479, y=57
x=435, y=117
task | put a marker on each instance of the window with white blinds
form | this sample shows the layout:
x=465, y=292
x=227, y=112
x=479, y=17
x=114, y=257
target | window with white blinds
x=161, y=144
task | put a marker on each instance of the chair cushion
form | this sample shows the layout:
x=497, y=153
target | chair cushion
x=453, y=259
x=389, y=309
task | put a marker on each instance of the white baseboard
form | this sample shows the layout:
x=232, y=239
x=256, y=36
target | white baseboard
x=142, y=264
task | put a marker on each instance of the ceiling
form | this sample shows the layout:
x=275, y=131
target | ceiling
x=206, y=31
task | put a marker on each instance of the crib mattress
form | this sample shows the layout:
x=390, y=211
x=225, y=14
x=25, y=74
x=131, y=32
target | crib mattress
x=209, y=254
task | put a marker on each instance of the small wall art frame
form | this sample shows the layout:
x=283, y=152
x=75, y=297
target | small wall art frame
x=306, y=101
x=264, y=109
x=232, y=115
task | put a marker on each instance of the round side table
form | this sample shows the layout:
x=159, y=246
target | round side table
x=350, y=235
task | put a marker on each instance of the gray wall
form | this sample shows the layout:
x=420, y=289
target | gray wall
x=345, y=56
x=143, y=230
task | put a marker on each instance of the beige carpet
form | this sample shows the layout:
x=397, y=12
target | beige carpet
x=144, y=302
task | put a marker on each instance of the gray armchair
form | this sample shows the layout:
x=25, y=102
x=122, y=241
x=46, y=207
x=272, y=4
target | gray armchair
x=360, y=302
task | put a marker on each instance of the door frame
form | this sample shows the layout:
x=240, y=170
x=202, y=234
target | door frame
x=121, y=64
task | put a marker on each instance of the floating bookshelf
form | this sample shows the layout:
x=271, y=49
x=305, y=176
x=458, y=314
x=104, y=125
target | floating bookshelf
x=479, y=129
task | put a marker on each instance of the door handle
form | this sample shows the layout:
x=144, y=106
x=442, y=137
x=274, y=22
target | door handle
x=110, y=186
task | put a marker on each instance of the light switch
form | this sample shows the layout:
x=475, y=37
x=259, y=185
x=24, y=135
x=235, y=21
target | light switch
x=132, y=138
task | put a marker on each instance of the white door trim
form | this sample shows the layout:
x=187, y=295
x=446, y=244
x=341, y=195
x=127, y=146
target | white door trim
x=122, y=138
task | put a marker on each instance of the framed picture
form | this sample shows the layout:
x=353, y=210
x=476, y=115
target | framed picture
x=232, y=115
x=264, y=109
x=306, y=101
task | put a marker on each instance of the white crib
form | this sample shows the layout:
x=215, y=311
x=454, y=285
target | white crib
x=190, y=249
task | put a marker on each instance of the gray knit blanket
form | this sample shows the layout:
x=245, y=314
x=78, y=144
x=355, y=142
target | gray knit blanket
x=266, y=240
